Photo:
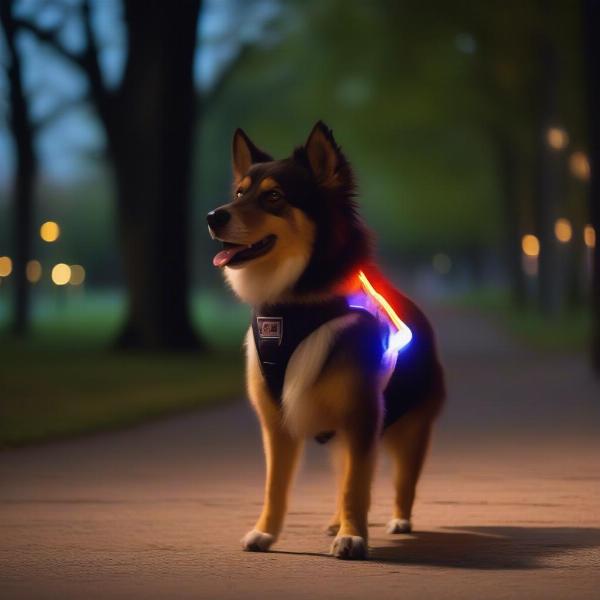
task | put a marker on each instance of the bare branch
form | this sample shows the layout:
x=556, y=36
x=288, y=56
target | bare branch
x=50, y=37
x=90, y=56
x=87, y=60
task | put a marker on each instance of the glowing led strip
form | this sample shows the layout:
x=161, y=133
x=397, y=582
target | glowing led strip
x=404, y=333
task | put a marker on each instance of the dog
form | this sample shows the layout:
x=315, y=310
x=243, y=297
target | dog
x=323, y=356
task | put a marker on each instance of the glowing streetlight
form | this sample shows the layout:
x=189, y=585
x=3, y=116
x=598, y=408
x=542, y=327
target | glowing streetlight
x=557, y=138
x=530, y=245
x=589, y=236
x=531, y=251
x=50, y=231
x=563, y=230
x=61, y=274
x=77, y=275
x=580, y=165
x=33, y=270
x=5, y=266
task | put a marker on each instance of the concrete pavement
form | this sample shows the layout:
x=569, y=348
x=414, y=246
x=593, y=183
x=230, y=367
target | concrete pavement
x=508, y=507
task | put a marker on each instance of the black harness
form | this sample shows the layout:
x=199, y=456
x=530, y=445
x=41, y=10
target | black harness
x=278, y=330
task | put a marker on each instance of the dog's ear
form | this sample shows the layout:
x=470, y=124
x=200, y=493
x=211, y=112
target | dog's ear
x=324, y=155
x=245, y=154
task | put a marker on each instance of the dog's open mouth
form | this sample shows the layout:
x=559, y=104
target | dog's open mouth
x=233, y=254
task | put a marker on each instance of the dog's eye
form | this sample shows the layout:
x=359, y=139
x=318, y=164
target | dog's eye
x=273, y=200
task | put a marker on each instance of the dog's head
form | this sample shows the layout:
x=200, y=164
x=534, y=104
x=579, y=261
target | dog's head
x=291, y=231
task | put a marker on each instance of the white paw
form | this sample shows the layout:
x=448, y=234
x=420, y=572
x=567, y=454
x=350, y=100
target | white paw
x=257, y=541
x=350, y=547
x=332, y=530
x=399, y=526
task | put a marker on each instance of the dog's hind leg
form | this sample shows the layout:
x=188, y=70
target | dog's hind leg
x=337, y=459
x=359, y=449
x=351, y=539
x=407, y=441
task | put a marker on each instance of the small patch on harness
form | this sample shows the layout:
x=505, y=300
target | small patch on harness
x=270, y=328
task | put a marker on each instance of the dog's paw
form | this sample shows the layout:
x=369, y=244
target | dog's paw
x=257, y=541
x=349, y=547
x=399, y=526
x=332, y=529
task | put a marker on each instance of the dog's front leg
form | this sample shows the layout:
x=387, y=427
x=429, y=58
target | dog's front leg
x=281, y=455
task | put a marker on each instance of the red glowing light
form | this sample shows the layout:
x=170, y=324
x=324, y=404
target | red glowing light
x=402, y=328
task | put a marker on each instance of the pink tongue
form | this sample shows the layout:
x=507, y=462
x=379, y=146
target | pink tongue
x=223, y=257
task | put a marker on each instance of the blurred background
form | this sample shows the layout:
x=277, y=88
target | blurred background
x=473, y=128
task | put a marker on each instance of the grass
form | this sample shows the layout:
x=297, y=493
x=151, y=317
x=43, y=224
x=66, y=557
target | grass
x=566, y=332
x=64, y=381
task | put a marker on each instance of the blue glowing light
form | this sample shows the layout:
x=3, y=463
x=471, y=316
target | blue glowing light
x=397, y=339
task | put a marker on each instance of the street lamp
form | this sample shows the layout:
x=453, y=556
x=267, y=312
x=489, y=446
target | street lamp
x=5, y=266
x=49, y=231
x=563, y=230
x=557, y=138
x=61, y=274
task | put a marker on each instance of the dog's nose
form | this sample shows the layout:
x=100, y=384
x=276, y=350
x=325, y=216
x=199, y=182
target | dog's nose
x=217, y=218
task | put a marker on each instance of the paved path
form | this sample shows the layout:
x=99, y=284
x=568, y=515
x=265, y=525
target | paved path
x=509, y=506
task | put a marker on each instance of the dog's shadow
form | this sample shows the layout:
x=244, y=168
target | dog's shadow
x=493, y=547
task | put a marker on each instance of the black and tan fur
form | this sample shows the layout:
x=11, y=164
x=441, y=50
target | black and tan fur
x=311, y=244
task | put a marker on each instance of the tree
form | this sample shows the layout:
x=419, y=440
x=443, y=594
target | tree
x=23, y=132
x=148, y=119
x=591, y=25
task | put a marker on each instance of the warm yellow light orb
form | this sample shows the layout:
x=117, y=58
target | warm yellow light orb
x=563, y=230
x=557, y=138
x=589, y=236
x=77, y=275
x=61, y=274
x=5, y=266
x=530, y=245
x=33, y=270
x=580, y=165
x=50, y=231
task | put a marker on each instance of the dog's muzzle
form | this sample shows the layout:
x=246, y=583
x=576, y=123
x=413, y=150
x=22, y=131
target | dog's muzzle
x=217, y=219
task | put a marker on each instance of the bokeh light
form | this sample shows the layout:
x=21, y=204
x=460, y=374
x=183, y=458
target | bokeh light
x=580, y=165
x=5, y=266
x=33, y=270
x=557, y=138
x=530, y=245
x=61, y=274
x=563, y=230
x=77, y=275
x=442, y=263
x=50, y=231
x=589, y=236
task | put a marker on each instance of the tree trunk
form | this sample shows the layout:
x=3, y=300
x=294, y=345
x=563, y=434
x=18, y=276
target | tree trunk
x=26, y=168
x=507, y=160
x=547, y=182
x=591, y=26
x=150, y=134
